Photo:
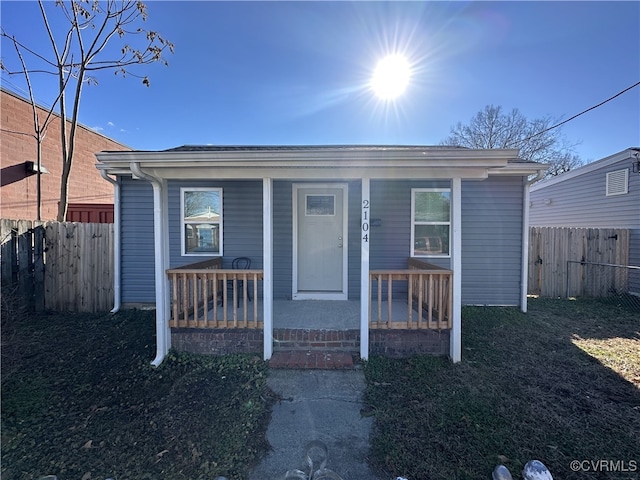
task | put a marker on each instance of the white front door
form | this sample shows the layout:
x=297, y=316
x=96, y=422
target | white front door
x=320, y=241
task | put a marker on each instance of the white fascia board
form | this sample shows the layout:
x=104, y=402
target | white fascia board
x=519, y=169
x=397, y=158
x=590, y=167
x=333, y=164
x=316, y=173
x=392, y=163
x=494, y=157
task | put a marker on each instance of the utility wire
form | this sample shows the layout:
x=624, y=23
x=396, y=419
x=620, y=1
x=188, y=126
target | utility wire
x=581, y=113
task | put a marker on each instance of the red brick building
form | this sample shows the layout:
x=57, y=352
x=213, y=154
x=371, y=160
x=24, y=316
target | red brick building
x=90, y=196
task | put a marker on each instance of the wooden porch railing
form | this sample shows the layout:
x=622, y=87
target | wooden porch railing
x=203, y=295
x=428, y=297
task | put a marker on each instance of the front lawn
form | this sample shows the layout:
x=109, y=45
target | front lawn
x=558, y=384
x=80, y=400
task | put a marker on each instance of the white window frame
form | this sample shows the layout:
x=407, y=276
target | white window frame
x=414, y=223
x=183, y=246
x=624, y=174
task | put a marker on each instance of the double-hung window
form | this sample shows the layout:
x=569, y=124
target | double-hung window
x=201, y=219
x=430, y=222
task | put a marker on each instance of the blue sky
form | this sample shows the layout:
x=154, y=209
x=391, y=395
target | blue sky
x=292, y=73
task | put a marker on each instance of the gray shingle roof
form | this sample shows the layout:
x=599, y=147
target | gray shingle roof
x=255, y=148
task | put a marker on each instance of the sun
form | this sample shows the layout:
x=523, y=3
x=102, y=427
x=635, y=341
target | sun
x=391, y=77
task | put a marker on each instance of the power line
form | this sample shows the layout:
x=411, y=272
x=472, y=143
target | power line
x=581, y=113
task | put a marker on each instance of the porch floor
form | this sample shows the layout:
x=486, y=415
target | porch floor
x=320, y=314
x=317, y=314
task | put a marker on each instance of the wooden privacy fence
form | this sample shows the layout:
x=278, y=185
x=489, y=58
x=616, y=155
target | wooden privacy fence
x=60, y=266
x=552, y=248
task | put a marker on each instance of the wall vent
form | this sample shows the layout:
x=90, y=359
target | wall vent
x=618, y=182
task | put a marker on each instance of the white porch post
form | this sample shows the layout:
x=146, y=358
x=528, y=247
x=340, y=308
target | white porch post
x=365, y=236
x=524, y=282
x=455, y=346
x=267, y=255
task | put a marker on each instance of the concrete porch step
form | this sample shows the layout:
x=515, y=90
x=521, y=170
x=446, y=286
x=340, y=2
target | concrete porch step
x=312, y=359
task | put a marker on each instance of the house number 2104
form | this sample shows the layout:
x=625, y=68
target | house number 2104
x=365, y=220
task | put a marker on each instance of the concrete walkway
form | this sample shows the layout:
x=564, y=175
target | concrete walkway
x=319, y=405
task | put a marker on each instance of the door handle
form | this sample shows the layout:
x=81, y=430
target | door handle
x=340, y=242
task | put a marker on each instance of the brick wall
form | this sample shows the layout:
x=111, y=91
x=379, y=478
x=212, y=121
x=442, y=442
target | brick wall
x=18, y=194
x=388, y=343
x=217, y=341
x=316, y=339
x=405, y=343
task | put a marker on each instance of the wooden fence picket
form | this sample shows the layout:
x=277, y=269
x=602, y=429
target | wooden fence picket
x=60, y=266
x=551, y=248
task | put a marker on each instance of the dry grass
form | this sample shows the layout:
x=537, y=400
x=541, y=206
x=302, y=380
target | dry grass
x=622, y=355
x=557, y=384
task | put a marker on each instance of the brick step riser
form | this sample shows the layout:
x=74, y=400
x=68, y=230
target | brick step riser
x=316, y=340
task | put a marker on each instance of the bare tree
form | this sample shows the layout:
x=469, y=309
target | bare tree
x=39, y=127
x=492, y=128
x=81, y=52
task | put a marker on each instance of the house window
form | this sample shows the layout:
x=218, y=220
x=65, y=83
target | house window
x=201, y=218
x=618, y=182
x=430, y=222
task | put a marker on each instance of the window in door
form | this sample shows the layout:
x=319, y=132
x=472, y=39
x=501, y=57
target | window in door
x=320, y=205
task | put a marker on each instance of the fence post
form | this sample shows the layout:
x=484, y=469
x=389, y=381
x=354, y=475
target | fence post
x=38, y=267
x=8, y=252
x=25, y=266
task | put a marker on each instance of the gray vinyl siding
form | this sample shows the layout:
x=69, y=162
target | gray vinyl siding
x=492, y=241
x=283, y=239
x=355, y=199
x=390, y=246
x=242, y=231
x=581, y=201
x=137, y=251
x=242, y=221
x=491, y=233
x=390, y=243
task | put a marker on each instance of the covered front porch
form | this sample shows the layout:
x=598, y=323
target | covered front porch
x=206, y=296
x=226, y=308
x=382, y=213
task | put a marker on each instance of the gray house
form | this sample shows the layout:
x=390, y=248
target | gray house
x=602, y=194
x=369, y=248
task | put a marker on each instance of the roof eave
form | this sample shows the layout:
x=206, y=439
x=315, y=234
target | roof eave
x=627, y=153
x=319, y=158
